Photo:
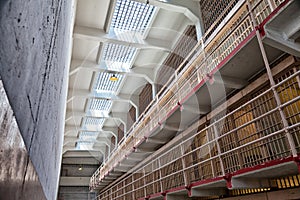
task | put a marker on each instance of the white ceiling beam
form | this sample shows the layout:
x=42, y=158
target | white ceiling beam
x=122, y=117
x=190, y=9
x=76, y=65
x=130, y=98
x=71, y=147
x=112, y=130
x=99, y=35
x=100, y=140
x=70, y=130
x=71, y=114
x=109, y=15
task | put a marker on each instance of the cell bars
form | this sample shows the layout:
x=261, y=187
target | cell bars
x=104, y=84
x=131, y=16
x=118, y=56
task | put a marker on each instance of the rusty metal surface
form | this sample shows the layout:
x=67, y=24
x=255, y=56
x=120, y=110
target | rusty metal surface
x=18, y=178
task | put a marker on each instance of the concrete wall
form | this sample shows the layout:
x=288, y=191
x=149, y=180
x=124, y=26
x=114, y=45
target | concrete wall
x=18, y=178
x=34, y=46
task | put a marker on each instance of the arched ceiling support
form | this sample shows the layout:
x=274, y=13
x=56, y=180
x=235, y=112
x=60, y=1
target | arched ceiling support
x=190, y=8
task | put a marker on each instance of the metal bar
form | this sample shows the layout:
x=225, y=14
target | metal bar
x=217, y=134
x=154, y=107
x=183, y=166
x=278, y=102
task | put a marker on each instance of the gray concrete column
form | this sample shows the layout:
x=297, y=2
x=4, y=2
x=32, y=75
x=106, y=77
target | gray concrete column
x=34, y=51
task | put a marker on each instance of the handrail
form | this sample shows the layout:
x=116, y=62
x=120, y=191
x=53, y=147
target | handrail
x=155, y=105
x=249, y=145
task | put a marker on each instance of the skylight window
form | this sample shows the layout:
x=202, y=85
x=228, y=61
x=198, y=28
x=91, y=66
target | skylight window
x=88, y=135
x=92, y=121
x=99, y=104
x=132, y=16
x=118, y=56
x=104, y=84
x=84, y=145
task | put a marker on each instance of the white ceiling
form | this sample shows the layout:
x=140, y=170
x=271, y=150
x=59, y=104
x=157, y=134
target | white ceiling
x=92, y=24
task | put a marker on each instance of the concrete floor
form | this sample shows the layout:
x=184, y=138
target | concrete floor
x=34, y=50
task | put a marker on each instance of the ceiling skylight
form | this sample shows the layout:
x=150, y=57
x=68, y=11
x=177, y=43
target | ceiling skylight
x=84, y=145
x=131, y=16
x=104, y=84
x=88, y=135
x=92, y=121
x=118, y=56
x=99, y=104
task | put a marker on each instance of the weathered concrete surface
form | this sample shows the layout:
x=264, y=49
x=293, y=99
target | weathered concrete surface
x=34, y=41
x=18, y=178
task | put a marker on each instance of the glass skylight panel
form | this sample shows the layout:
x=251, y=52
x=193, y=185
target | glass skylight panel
x=118, y=56
x=88, y=135
x=92, y=121
x=132, y=16
x=84, y=145
x=104, y=84
x=100, y=104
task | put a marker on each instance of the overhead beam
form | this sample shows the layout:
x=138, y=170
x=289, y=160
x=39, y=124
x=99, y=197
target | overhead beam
x=77, y=64
x=129, y=98
x=109, y=15
x=76, y=129
x=99, y=140
x=190, y=8
x=118, y=116
x=72, y=148
x=99, y=35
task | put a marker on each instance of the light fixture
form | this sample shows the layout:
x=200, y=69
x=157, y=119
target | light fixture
x=113, y=78
x=80, y=168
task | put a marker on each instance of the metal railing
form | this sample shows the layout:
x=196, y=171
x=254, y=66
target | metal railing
x=207, y=56
x=252, y=133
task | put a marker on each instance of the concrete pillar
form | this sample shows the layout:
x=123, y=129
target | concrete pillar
x=34, y=52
